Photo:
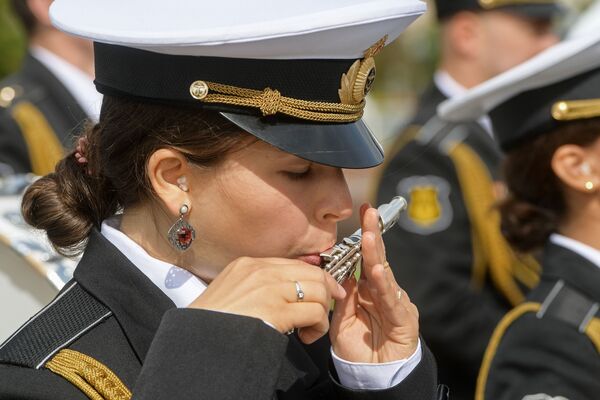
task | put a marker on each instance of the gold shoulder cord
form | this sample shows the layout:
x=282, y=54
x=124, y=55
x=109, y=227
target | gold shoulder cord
x=499, y=332
x=43, y=146
x=490, y=247
x=592, y=331
x=92, y=377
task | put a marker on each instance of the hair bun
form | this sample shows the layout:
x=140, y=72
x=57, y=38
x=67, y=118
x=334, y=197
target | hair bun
x=525, y=225
x=56, y=203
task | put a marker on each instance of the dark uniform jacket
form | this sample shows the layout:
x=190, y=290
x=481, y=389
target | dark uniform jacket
x=35, y=84
x=433, y=259
x=161, y=352
x=548, y=351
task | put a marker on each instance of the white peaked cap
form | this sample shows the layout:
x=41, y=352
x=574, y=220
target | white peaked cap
x=562, y=61
x=270, y=29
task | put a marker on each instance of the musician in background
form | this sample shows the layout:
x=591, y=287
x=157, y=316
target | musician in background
x=443, y=247
x=44, y=103
x=546, y=117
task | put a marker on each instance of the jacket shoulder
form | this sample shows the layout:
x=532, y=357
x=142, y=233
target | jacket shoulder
x=68, y=317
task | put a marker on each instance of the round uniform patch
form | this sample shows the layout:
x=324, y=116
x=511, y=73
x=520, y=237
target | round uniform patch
x=543, y=396
x=429, y=210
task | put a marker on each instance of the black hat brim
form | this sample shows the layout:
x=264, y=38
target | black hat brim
x=535, y=11
x=350, y=145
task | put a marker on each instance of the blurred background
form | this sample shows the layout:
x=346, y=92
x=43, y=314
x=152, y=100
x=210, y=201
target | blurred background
x=403, y=70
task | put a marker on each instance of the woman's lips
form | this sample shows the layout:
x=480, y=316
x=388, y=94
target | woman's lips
x=313, y=259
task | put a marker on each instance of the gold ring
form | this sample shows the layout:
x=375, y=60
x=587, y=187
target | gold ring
x=386, y=265
x=399, y=294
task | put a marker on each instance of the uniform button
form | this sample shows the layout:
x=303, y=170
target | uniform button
x=7, y=95
x=199, y=90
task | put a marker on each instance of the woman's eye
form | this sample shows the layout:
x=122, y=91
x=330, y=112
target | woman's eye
x=297, y=175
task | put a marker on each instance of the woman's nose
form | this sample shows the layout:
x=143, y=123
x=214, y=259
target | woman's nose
x=336, y=203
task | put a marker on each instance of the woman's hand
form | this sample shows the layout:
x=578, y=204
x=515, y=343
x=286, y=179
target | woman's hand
x=266, y=289
x=376, y=322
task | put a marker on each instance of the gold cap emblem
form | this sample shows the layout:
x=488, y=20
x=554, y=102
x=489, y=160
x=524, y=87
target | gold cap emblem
x=357, y=82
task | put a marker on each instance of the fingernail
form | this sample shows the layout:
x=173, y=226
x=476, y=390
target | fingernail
x=341, y=290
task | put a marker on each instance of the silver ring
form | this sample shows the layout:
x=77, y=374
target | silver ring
x=299, y=292
x=291, y=331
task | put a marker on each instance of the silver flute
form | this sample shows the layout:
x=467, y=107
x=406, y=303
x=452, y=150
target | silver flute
x=342, y=259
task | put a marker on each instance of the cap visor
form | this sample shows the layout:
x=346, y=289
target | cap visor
x=349, y=145
x=536, y=11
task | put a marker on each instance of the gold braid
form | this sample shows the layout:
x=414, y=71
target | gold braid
x=89, y=375
x=504, y=265
x=271, y=102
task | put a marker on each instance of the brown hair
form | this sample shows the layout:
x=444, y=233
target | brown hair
x=536, y=202
x=68, y=203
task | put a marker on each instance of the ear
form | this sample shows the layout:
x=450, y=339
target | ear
x=40, y=10
x=166, y=168
x=575, y=167
x=464, y=31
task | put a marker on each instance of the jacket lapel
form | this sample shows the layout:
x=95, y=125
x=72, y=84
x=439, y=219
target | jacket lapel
x=137, y=304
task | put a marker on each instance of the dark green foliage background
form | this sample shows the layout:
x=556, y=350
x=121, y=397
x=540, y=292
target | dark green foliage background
x=12, y=40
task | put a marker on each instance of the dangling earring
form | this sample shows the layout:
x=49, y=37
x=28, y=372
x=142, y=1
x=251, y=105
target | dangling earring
x=182, y=234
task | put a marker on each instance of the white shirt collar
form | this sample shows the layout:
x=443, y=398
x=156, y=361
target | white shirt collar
x=585, y=251
x=451, y=88
x=180, y=285
x=77, y=82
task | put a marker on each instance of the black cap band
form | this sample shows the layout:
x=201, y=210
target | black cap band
x=529, y=114
x=125, y=71
x=540, y=9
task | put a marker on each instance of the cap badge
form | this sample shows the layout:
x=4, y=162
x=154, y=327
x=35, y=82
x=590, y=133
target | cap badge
x=357, y=82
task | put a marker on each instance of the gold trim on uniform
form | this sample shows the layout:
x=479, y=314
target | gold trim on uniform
x=355, y=84
x=271, y=102
x=92, y=377
x=569, y=110
x=45, y=150
x=491, y=4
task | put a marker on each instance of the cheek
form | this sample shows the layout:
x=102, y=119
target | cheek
x=258, y=219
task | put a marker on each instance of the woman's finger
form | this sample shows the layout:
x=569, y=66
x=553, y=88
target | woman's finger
x=370, y=254
x=371, y=224
x=312, y=318
x=305, y=291
x=345, y=308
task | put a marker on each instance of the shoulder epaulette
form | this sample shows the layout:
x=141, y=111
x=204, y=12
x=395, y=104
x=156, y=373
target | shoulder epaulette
x=71, y=314
x=569, y=305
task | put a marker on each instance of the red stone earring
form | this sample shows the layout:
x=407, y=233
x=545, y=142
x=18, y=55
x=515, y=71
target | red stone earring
x=182, y=234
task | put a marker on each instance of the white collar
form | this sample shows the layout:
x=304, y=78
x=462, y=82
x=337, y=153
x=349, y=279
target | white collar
x=77, y=82
x=585, y=251
x=451, y=88
x=181, y=286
